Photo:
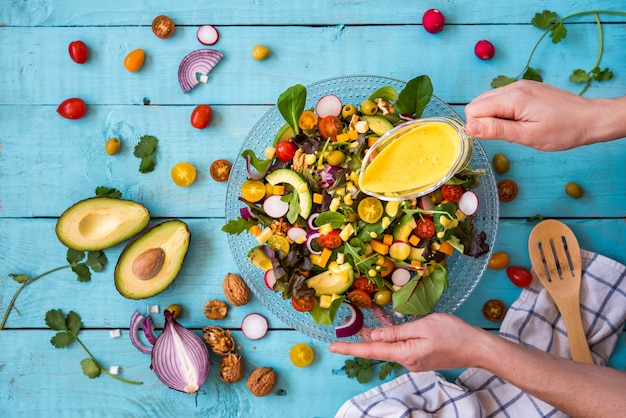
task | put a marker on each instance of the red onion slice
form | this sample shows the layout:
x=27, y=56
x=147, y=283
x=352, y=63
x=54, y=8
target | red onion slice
x=311, y=221
x=354, y=324
x=135, y=322
x=246, y=213
x=148, y=329
x=195, y=64
x=309, y=241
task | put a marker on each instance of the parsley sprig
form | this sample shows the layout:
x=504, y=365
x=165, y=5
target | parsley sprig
x=553, y=26
x=95, y=261
x=146, y=151
x=68, y=327
x=363, y=369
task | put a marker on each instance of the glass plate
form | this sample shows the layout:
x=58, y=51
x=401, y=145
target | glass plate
x=464, y=272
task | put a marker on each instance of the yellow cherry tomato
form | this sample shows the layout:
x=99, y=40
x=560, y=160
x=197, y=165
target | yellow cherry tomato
x=183, y=174
x=260, y=52
x=279, y=242
x=134, y=60
x=253, y=190
x=307, y=120
x=370, y=210
x=112, y=146
x=301, y=355
x=498, y=260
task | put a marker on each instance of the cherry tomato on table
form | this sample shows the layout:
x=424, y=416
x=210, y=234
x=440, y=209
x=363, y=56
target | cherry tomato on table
x=285, y=150
x=220, y=170
x=507, y=190
x=452, y=192
x=520, y=276
x=79, y=53
x=360, y=298
x=364, y=283
x=302, y=304
x=330, y=127
x=494, y=310
x=498, y=260
x=201, y=116
x=134, y=60
x=425, y=228
x=73, y=108
x=330, y=240
x=163, y=27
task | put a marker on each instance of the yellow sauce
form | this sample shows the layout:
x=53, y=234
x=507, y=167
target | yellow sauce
x=415, y=161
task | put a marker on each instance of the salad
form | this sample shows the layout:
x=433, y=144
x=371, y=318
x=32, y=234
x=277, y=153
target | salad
x=323, y=242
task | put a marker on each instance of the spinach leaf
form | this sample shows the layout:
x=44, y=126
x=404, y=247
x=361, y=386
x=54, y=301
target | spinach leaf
x=387, y=93
x=335, y=219
x=413, y=98
x=420, y=295
x=291, y=105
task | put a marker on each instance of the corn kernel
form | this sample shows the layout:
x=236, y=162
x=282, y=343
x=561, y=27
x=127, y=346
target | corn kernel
x=334, y=204
x=347, y=199
x=385, y=222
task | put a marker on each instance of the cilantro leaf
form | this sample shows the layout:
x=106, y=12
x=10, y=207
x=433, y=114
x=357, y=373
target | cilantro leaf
x=83, y=274
x=602, y=75
x=147, y=165
x=20, y=278
x=543, y=20
x=558, y=32
x=387, y=368
x=56, y=320
x=103, y=191
x=146, y=150
x=501, y=81
x=579, y=76
x=61, y=339
x=532, y=74
x=74, y=256
x=90, y=368
x=360, y=368
x=96, y=260
x=239, y=225
x=73, y=322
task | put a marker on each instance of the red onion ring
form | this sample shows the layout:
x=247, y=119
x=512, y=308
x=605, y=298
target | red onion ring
x=252, y=173
x=148, y=329
x=135, y=322
x=309, y=241
x=354, y=324
x=201, y=62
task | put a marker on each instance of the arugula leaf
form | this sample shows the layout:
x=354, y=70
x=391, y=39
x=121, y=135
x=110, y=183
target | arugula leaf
x=544, y=19
x=90, y=368
x=103, y=191
x=294, y=206
x=419, y=295
x=239, y=225
x=146, y=150
x=259, y=164
x=291, y=105
x=415, y=96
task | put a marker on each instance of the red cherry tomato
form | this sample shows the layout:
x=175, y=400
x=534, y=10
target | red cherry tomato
x=452, y=192
x=425, y=228
x=201, y=116
x=364, y=284
x=79, y=53
x=520, y=276
x=285, y=150
x=360, y=298
x=331, y=240
x=220, y=170
x=507, y=190
x=163, y=27
x=330, y=127
x=302, y=304
x=73, y=108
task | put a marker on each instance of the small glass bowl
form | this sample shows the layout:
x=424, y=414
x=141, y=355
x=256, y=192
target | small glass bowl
x=466, y=149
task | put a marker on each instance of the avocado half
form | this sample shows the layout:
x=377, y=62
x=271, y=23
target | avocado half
x=150, y=262
x=99, y=223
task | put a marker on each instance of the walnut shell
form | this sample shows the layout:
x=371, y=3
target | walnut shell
x=262, y=381
x=236, y=290
x=219, y=340
x=231, y=368
x=215, y=309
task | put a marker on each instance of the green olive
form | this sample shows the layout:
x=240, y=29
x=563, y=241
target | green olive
x=348, y=110
x=260, y=52
x=112, y=146
x=336, y=158
x=368, y=107
x=382, y=297
x=500, y=163
x=574, y=190
x=175, y=309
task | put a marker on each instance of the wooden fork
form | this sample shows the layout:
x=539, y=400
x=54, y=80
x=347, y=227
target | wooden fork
x=555, y=256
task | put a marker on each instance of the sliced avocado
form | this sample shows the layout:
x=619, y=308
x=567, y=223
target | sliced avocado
x=403, y=229
x=283, y=134
x=259, y=258
x=151, y=262
x=300, y=186
x=336, y=280
x=99, y=223
x=378, y=124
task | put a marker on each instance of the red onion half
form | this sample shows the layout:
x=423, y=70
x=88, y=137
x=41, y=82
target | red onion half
x=180, y=358
x=196, y=66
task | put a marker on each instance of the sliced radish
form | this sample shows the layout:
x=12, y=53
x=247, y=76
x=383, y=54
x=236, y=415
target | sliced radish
x=329, y=105
x=297, y=235
x=269, y=278
x=468, y=203
x=275, y=207
x=426, y=203
x=354, y=324
x=207, y=35
x=400, y=277
x=254, y=326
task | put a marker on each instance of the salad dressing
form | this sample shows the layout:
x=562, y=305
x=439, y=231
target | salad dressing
x=415, y=161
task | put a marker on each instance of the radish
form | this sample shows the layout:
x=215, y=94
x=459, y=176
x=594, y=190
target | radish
x=433, y=21
x=426, y=203
x=484, y=50
x=329, y=105
x=354, y=324
x=254, y=326
x=400, y=277
x=207, y=35
x=297, y=235
x=275, y=207
x=468, y=203
x=270, y=279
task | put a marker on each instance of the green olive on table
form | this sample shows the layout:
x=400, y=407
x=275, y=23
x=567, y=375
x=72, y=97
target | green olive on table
x=500, y=163
x=574, y=190
x=112, y=146
x=368, y=107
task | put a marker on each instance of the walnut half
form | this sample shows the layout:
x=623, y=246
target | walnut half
x=219, y=340
x=231, y=368
x=215, y=309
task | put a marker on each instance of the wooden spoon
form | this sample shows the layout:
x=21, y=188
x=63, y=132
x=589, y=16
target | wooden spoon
x=555, y=256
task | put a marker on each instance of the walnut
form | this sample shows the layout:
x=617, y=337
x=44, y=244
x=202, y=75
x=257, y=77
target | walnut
x=385, y=106
x=261, y=382
x=279, y=226
x=215, y=309
x=219, y=340
x=298, y=161
x=231, y=368
x=236, y=290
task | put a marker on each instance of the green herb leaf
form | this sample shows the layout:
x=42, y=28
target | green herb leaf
x=56, y=320
x=386, y=93
x=326, y=316
x=259, y=164
x=20, y=278
x=544, y=19
x=103, y=191
x=558, y=33
x=294, y=206
x=387, y=368
x=602, y=75
x=90, y=368
x=532, y=74
x=74, y=256
x=579, y=76
x=501, y=81
x=83, y=274
x=73, y=322
x=147, y=165
x=420, y=295
x=237, y=226
x=360, y=368
x=335, y=219
x=146, y=150
x=415, y=96
x=61, y=339
x=291, y=105
x=96, y=260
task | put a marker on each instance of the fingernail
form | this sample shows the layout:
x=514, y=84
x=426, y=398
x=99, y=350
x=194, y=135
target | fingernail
x=474, y=127
x=331, y=348
x=377, y=335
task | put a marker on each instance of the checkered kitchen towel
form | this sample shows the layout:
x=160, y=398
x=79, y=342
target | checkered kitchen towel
x=532, y=320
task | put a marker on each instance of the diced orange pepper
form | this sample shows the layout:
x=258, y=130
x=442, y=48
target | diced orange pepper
x=343, y=138
x=414, y=240
x=255, y=230
x=387, y=264
x=324, y=257
x=307, y=120
x=379, y=247
x=352, y=135
x=278, y=190
x=446, y=248
x=371, y=140
x=318, y=198
x=387, y=239
x=416, y=263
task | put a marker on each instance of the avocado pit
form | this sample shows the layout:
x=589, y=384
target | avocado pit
x=149, y=263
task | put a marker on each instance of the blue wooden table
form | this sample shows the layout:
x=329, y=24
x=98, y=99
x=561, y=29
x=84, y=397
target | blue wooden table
x=47, y=163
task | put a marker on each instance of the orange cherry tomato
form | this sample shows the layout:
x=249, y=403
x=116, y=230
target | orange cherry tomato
x=330, y=240
x=134, y=60
x=201, y=116
x=498, y=260
x=302, y=304
x=330, y=127
x=364, y=283
x=360, y=298
x=163, y=27
x=507, y=190
x=220, y=170
x=307, y=120
x=452, y=192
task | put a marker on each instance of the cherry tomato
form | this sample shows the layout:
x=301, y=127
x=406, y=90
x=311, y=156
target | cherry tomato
x=183, y=174
x=134, y=60
x=201, y=116
x=79, y=53
x=220, y=170
x=163, y=27
x=73, y=108
x=494, y=310
x=330, y=127
x=360, y=298
x=285, y=151
x=364, y=283
x=370, y=210
x=498, y=260
x=301, y=355
x=307, y=120
x=382, y=297
x=302, y=304
x=425, y=228
x=507, y=190
x=452, y=192
x=331, y=240
x=520, y=276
